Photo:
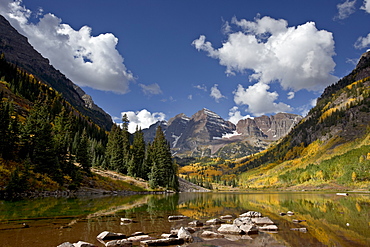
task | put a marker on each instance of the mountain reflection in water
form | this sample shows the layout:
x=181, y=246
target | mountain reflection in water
x=331, y=220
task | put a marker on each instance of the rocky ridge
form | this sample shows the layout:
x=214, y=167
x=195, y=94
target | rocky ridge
x=206, y=133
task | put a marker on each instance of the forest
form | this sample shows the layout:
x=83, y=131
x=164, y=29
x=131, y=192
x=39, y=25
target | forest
x=46, y=144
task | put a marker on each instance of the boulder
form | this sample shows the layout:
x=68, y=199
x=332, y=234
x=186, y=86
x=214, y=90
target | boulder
x=229, y=229
x=262, y=221
x=110, y=236
x=249, y=229
x=243, y=221
x=162, y=242
x=196, y=223
x=251, y=214
x=210, y=234
x=177, y=217
x=119, y=243
x=215, y=221
x=185, y=234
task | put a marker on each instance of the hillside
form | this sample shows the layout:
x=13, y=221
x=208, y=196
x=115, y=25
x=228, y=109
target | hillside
x=328, y=149
x=18, y=51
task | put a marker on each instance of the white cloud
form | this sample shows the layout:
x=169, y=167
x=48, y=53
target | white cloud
x=306, y=108
x=216, y=93
x=291, y=95
x=235, y=115
x=363, y=42
x=345, y=9
x=143, y=119
x=366, y=6
x=259, y=100
x=201, y=87
x=298, y=57
x=190, y=97
x=151, y=89
x=87, y=60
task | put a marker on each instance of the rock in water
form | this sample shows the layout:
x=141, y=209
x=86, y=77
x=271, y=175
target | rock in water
x=185, y=234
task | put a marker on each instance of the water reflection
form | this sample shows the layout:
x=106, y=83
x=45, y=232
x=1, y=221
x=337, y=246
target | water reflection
x=331, y=220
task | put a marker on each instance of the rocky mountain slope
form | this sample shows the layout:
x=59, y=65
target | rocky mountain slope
x=329, y=148
x=18, y=51
x=206, y=133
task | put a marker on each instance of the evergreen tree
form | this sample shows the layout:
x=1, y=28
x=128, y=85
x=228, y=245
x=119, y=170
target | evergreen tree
x=163, y=169
x=138, y=155
x=83, y=154
x=38, y=141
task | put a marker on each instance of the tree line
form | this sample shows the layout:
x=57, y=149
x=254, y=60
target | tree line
x=45, y=143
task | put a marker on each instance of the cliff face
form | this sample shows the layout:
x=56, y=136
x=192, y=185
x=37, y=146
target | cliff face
x=206, y=133
x=18, y=51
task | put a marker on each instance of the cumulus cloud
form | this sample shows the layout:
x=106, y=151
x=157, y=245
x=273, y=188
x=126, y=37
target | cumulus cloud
x=216, y=93
x=87, y=60
x=259, y=100
x=366, y=6
x=363, y=42
x=345, y=9
x=235, y=115
x=297, y=57
x=151, y=89
x=142, y=119
x=291, y=95
x=307, y=107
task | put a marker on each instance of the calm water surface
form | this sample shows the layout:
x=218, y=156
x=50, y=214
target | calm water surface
x=331, y=220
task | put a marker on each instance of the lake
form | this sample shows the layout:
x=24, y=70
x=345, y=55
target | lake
x=331, y=220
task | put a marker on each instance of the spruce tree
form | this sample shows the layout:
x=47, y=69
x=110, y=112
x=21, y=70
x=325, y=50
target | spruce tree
x=138, y=155
x=83, y=154
x=163, y=170
x=38, y=141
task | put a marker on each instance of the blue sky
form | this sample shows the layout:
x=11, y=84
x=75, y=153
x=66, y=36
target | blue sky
x=154, y=59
